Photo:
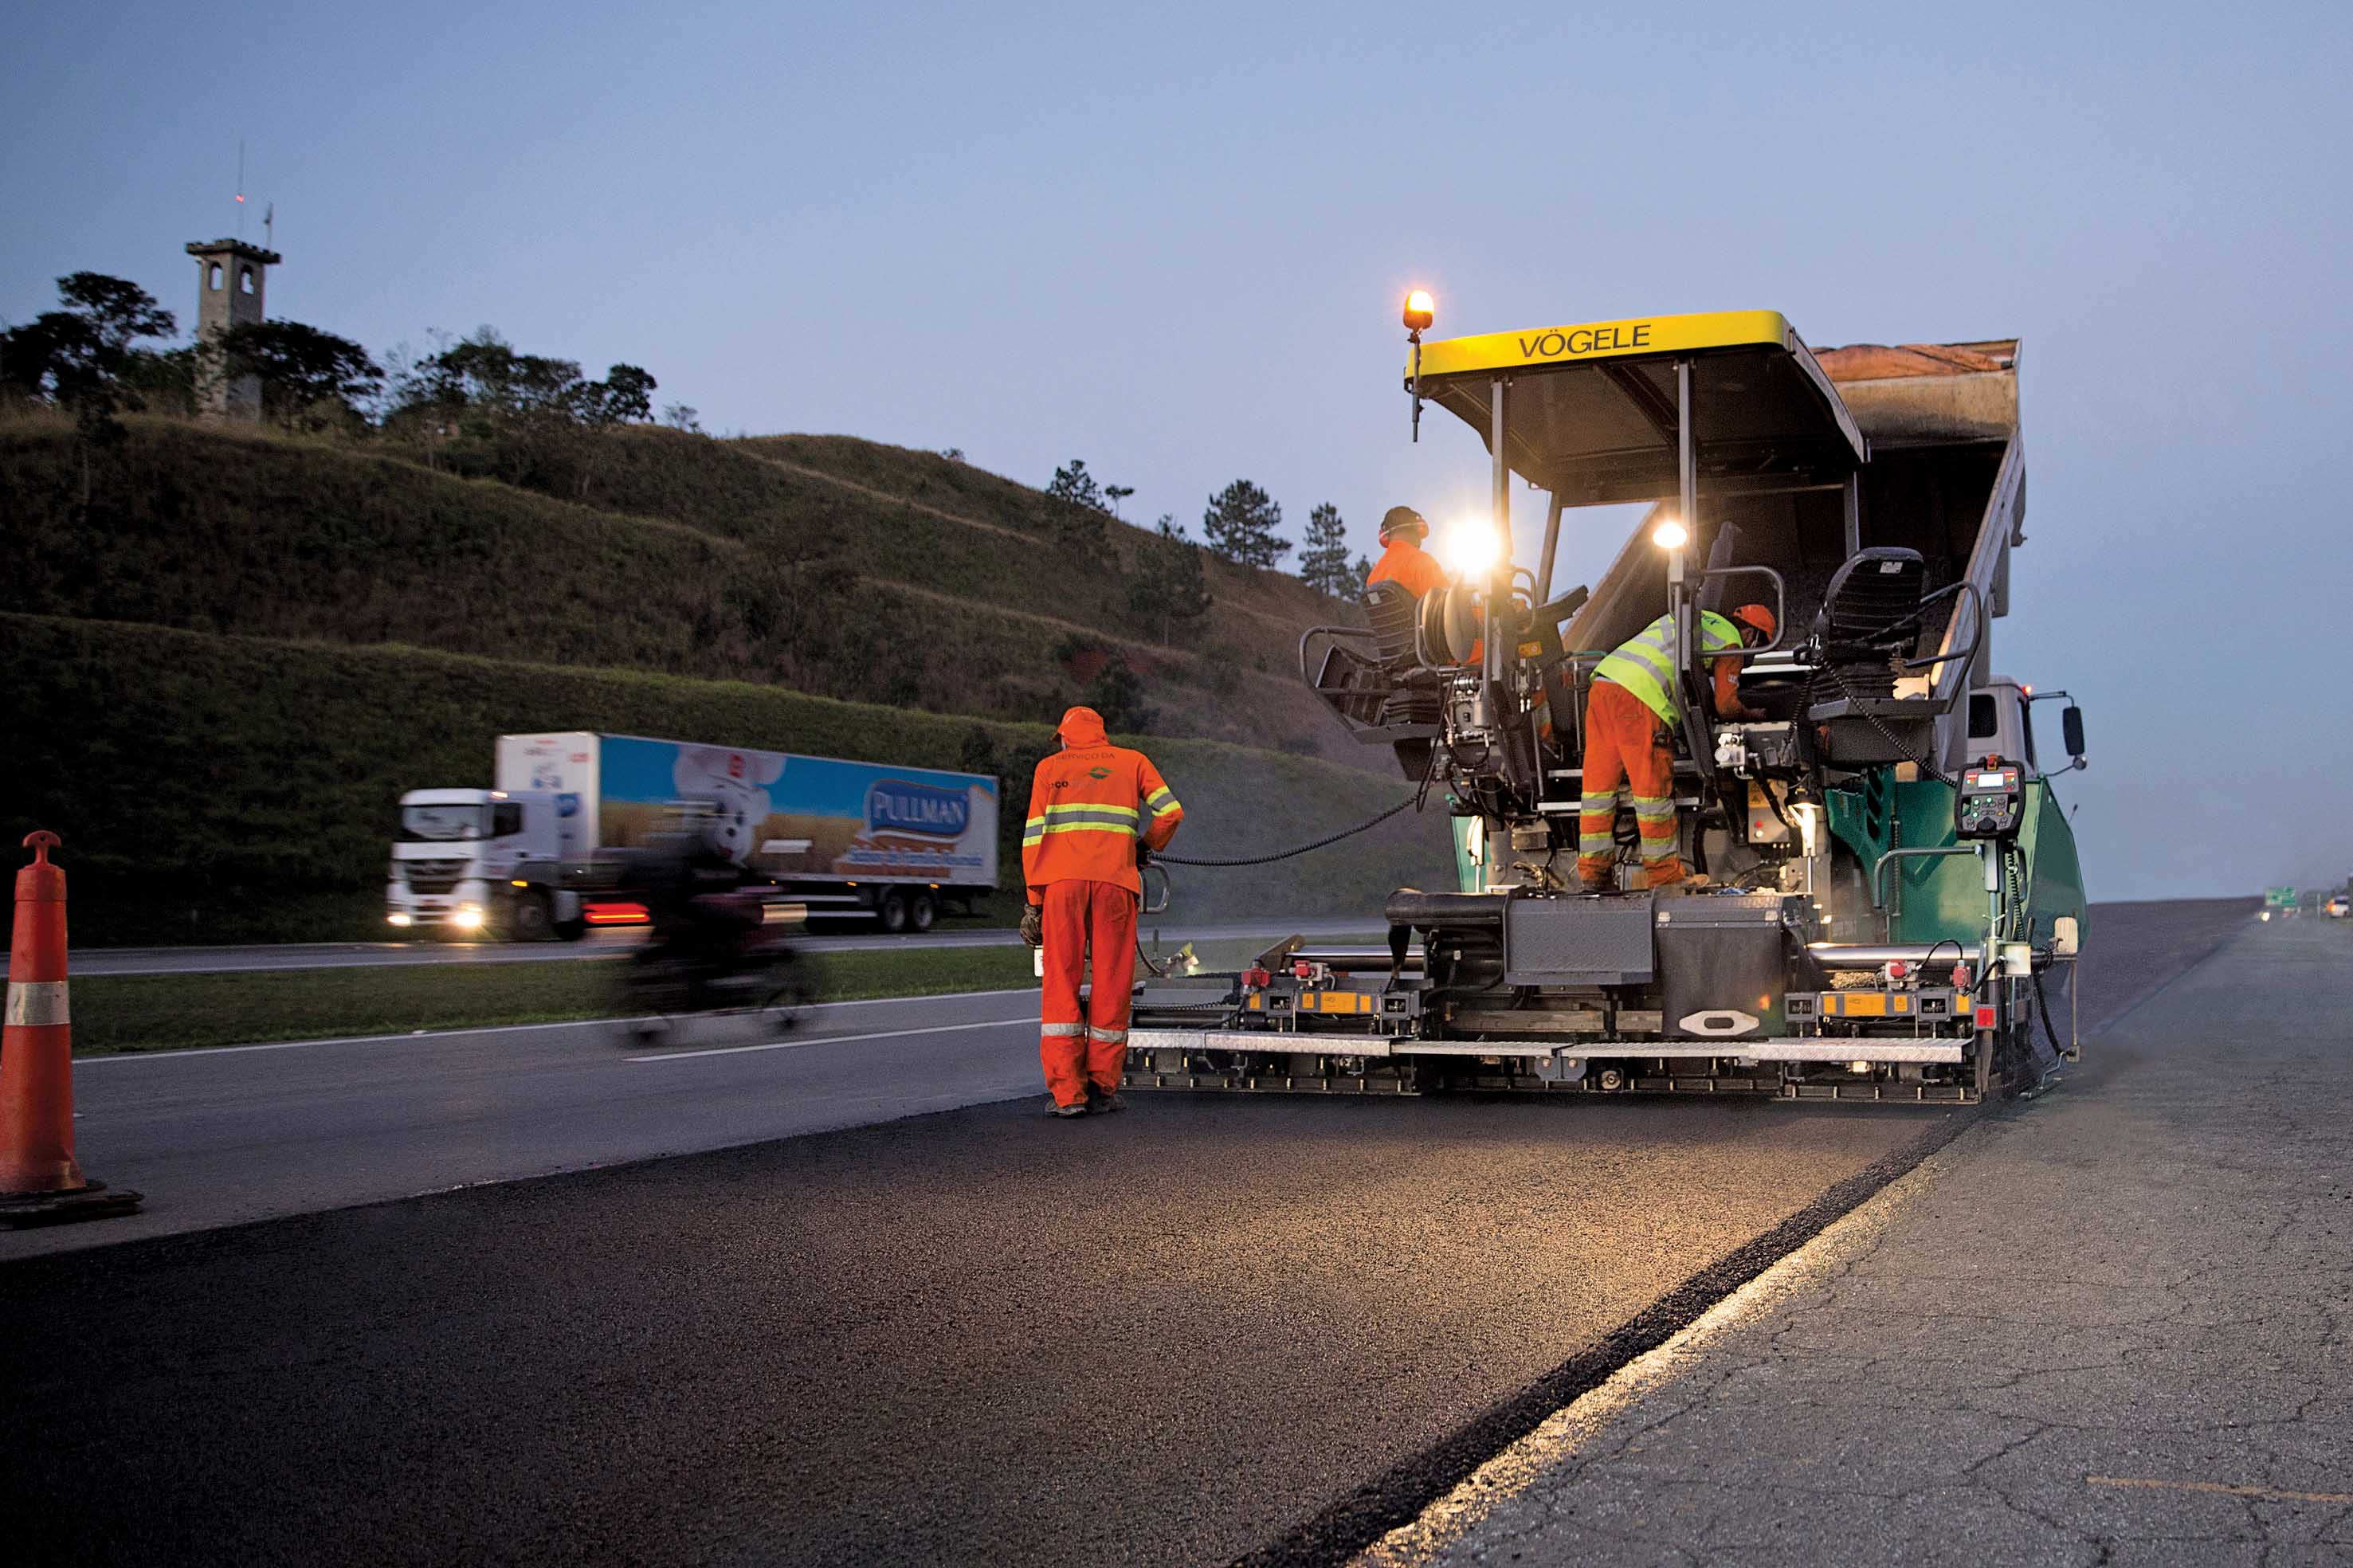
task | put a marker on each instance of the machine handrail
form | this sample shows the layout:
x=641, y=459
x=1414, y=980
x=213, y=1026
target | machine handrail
x=1781, y=604
x=1977, y=624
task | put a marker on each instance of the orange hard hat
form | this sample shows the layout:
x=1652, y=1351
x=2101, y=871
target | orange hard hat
x=1760, y=618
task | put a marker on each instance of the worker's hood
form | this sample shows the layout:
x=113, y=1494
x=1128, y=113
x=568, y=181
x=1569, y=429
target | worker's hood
x=1082, y=727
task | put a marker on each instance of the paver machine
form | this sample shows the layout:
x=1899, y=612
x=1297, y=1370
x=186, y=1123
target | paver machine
x=1892, y=907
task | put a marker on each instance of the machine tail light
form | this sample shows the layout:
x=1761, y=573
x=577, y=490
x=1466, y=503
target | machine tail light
x=617, y=913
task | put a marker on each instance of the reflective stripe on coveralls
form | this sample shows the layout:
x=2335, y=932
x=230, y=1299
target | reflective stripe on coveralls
x=1083, y=1045
x=1623, y=744
x=1645, y=664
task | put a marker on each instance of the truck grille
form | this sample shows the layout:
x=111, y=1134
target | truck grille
x=432, y=876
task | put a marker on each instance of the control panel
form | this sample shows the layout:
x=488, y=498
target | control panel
x=1991, y=801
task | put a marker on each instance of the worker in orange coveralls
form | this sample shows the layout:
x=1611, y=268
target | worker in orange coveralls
x=1097, y=812
x=1403, y=560
x=1632, y=715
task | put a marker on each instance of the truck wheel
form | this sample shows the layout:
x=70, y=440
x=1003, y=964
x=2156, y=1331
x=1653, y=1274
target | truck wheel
x=921, y=910
x=528, y=919
x=894, y=912
x=572, y=929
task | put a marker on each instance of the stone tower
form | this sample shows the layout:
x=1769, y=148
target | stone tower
x=230, y=279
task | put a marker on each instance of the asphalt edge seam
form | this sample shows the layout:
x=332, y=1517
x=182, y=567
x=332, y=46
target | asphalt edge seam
x=1398, y=1496
x=1519, y=1469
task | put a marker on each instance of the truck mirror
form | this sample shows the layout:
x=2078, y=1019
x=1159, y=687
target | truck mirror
x=2071, y=728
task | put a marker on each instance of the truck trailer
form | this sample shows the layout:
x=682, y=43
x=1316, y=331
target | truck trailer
x=1892, y=907
x=537, y=855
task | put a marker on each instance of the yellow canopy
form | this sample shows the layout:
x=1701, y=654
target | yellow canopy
x=1591, y=411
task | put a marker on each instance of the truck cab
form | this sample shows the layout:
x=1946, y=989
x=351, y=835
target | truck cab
x=478, y=862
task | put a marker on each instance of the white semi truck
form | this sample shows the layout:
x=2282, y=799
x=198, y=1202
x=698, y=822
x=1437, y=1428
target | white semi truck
x=528, y=859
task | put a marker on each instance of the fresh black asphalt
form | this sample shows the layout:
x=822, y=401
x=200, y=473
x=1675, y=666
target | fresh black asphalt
x=1187, y=1333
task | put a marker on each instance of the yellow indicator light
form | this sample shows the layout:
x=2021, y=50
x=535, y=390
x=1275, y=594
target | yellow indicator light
x=1420, y=310
x=1670, y=535
x=519, y=882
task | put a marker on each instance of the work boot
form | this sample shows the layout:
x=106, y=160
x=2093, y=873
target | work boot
x=1596, y=884
x=1103, y=1101
x=1076, y=1108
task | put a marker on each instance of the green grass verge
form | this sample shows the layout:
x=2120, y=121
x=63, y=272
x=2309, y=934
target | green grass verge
x=115, y=1013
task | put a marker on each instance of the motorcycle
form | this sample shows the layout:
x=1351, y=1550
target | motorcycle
x=734, y=960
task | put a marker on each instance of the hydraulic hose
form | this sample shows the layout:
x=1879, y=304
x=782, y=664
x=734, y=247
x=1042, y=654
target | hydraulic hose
x=1370, y=822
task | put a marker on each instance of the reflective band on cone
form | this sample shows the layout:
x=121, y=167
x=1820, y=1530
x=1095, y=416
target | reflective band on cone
x=38, y=1003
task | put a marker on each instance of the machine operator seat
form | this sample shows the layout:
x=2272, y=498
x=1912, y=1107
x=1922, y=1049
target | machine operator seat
x=1395, y=612
x=1869, y=614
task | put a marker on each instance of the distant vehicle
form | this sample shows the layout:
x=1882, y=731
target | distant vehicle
x=2339, y=907
x=527, y=860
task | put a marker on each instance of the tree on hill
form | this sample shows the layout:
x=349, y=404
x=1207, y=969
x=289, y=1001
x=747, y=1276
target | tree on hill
x=1117, y=693
x=310, y=379
x=1324, y=554
x=483, y=375
x=1169, y=590
x=524, y=413
x=1078, y=527
x=1073, y=483
x=625, y=397
x=1240, y=523
x=80, y=353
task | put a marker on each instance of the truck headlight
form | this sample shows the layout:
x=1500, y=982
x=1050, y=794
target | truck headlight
x=469, y=917
x=399, y=918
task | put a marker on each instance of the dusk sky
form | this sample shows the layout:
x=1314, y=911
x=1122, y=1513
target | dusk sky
x=1172, y=242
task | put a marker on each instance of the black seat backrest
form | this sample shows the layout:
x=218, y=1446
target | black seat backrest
x=1393, y=609
x=1872, y=604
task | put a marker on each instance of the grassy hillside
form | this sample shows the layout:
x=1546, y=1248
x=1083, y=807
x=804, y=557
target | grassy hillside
x=226, y=787
x=827, y=564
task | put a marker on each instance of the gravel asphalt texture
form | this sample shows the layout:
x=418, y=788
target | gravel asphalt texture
x=1203, y=1330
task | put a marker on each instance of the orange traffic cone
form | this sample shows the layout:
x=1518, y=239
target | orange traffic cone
x=39, y=1179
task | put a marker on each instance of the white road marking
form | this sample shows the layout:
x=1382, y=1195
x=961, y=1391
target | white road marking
x=830, y=1040
x=81, y=1061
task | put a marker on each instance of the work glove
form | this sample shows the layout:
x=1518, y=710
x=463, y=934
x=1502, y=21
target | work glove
x=1033, y=924
x=1143, y=855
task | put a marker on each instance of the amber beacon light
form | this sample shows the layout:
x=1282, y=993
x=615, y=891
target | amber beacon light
x=1419, y=311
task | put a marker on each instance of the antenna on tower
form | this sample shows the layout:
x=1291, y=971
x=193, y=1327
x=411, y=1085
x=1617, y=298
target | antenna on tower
x=240, y=187
x=270, y=227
